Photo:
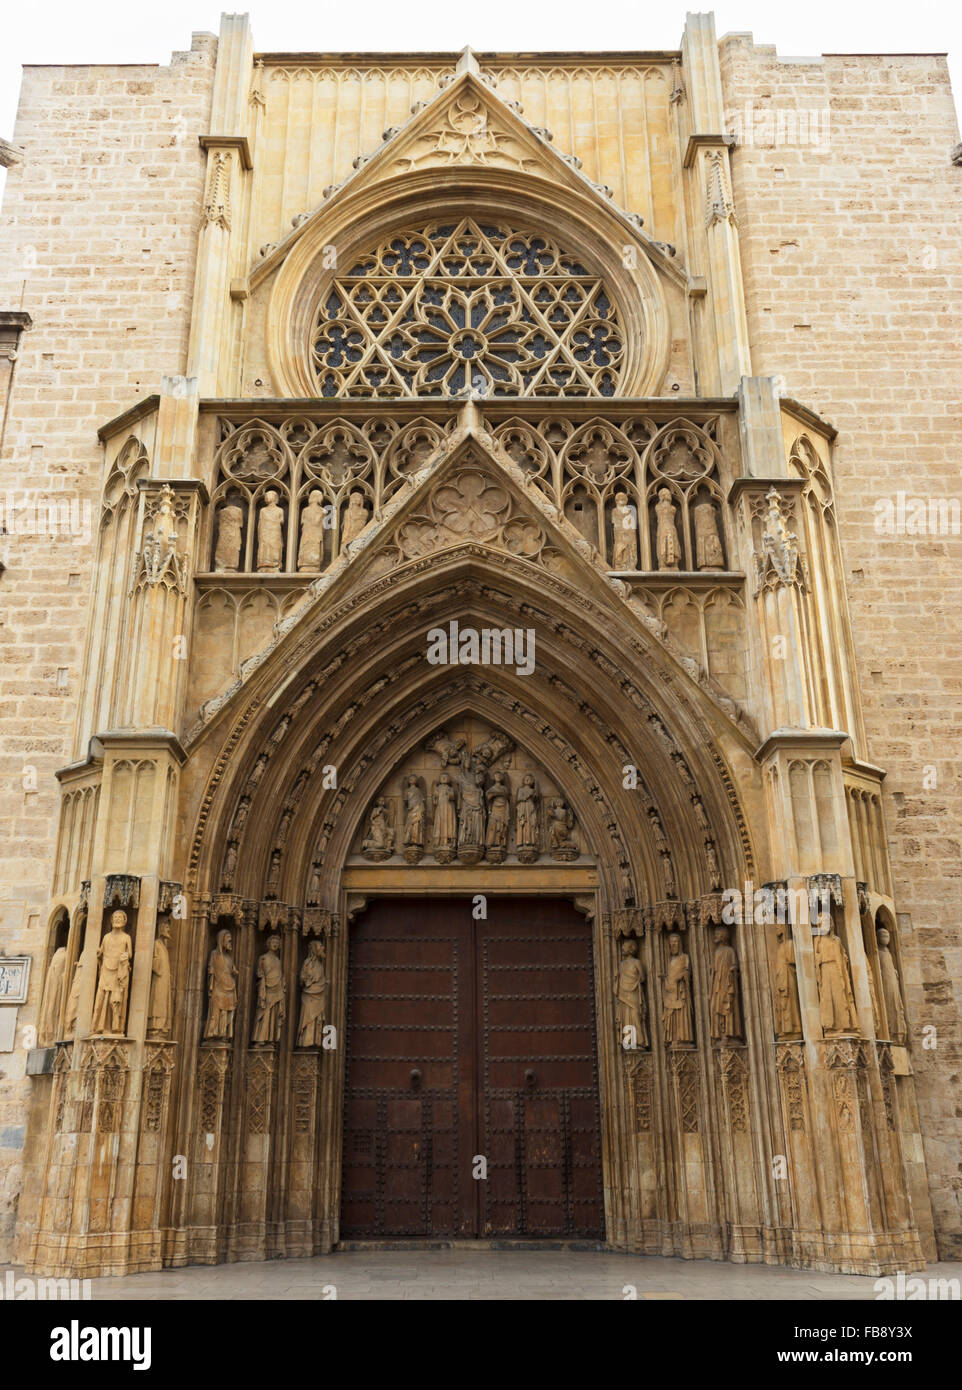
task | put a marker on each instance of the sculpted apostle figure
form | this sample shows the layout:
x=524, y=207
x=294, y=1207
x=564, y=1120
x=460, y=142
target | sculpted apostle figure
x=631, y=1008
x=836, y=1001
x=472, y=811
x=677, y=1017
x=52, y=999
x=526, y=808
x=270, y=1012
x=666, y=534
x=414, y=813
x=110, y=1004
x=708, y=547
x=788, y=1022
x=270, y=534
x=723, y=1001
x=73, y=998
x=355, y=519
x=445, y=813
x=313, y=978
x=230, y=529
x=624, y=548
x=498, y=797
x=891, y=991
x=380, y=836
x=311, y=549
x=159, y=1011
x=221, y=989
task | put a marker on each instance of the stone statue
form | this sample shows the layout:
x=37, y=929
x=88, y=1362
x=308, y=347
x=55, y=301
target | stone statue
x=561, y=822
x=310, y=552
x=415, y=810
x=73, y=998
x=221, y=989
x=498, y=797
x=270, y=1011
x=230, y=528
x=471, y=829
x=270, y=535
x=891, y=990
x=631, y=1008
x=526, y=813
x=708, y=546
x=724, y=1004
x=624, y=549
x=52, y=999
x=230, y=868
x=379, y=841
x=836, y=1001
x=666, y=535
x=313, y=978
x=163, y=527
x=444, y=803
x=677, y=1017
x=355, y=519
x=159, y=1008
x=114, y=955
x=788, y=1021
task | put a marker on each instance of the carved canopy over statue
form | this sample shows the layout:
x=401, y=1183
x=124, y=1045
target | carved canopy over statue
x=481, y=804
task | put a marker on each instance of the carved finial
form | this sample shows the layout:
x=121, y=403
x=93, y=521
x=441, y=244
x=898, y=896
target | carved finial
x=467, y=62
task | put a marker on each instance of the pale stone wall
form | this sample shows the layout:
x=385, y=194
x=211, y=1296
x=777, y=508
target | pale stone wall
x=99, y=234
x=852, y=259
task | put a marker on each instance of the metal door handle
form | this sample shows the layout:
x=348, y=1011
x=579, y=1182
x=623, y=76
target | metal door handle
x=530, y=1077
x=415, y=1077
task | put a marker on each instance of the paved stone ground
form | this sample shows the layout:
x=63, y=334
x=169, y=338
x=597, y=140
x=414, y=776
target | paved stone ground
x=492, y=1274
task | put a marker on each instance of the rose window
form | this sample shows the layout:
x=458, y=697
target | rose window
x=467, y=308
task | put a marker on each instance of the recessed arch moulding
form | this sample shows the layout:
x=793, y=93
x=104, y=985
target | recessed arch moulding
x=650, y=300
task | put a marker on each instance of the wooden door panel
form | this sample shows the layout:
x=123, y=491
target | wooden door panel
x=495, y=1019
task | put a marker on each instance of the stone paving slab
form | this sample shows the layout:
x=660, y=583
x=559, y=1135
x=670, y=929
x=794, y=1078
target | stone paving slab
x=510, y=1275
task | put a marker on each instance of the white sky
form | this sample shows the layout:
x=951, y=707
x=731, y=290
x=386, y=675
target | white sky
x=133, y=31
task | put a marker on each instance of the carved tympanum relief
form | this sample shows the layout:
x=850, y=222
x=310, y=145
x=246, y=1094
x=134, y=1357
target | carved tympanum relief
x=469, y=795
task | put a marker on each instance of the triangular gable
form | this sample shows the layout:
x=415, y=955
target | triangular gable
x=467, y=125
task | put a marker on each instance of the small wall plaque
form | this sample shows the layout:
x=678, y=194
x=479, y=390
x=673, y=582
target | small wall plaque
x=14, y=979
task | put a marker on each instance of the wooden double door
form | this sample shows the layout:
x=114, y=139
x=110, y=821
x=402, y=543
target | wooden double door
x=471, y=1105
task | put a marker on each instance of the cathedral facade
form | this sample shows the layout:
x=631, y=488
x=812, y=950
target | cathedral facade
x=444, y=723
